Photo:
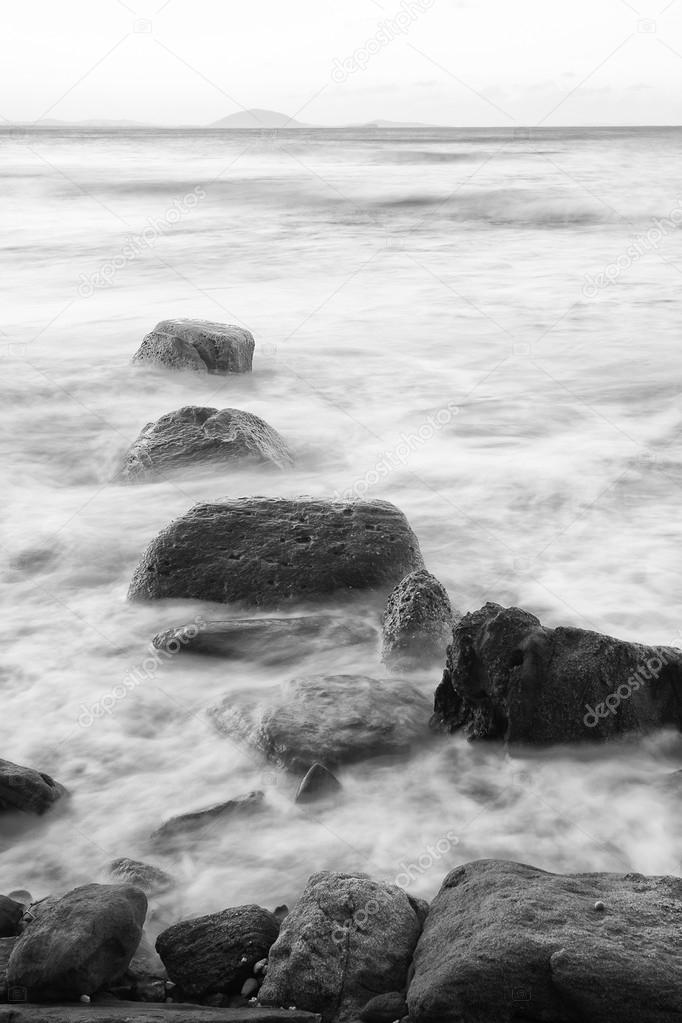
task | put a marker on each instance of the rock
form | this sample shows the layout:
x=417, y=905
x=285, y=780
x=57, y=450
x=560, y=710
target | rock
x=22, y=896
x=198, y=345
x=191, y=823
x=135, y=1012
x=271, y=551
x=146, y=977
x=347, y=939
x=22, y=788
x=249, y=987
x=507, y=677
x=327, y=719
x=6, y=946
x=507, y=941
x=417, y=622
x=11, y=913
x=318, y=783
x=268, y=640
x=152, y=880
x=215, y=954
x=384, y=1008
x=193, y=435
x=78, y=943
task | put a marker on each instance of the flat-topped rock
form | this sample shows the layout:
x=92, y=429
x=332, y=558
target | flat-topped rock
x=198, y=345
x=266, y=551
x=327, y=719
x=27, y=790
x=507, y=677
x=194, y=435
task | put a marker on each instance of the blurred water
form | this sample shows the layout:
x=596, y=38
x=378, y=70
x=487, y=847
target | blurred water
x=387, y=278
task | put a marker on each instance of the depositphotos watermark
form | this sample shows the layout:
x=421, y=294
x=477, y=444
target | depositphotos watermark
x=137, y=243
x=388, y=29
x=613, y=701
x=143, y=672
x=399, y=455
x=640, y=247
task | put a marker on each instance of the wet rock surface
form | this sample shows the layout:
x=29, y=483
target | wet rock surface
x=199, y=345
x=418, y=620
x=151, y=879
x=26, y=790
x=173, y=831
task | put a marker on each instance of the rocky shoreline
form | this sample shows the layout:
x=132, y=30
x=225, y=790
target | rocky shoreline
x=501, y=941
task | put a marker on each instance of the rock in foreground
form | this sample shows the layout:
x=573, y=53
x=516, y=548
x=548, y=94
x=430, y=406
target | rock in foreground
x=330, y=719
x=505, y=941
x=347, y=939
x=78, y=943
x=270, y=551
x=194, y=435
x=135, y=1012
x=507, y=677
x=199, y=345
x=215, y=954
x=417, y=622
x=22, y=788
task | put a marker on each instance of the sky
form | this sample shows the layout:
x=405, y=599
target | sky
x=454, y=62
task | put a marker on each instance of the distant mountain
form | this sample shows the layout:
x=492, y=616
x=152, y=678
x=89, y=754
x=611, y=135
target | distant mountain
x=246, y=119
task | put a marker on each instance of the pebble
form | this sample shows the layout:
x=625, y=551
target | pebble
x=599, y=905
x=261, y=966
x=249, y=987
x=85, y=998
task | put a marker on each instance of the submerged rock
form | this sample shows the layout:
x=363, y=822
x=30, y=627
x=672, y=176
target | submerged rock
x=270, y=551
x=418, y=621
x=507, y=941
x=22, y=788
x=507, y=677
x=318, y=783
x=79, y=943
x=193, y=435
x=217, y=953
x=327, y=719
x=268, y=640
x=187, y=824
x=199, y=345
x=347, y=939
x=152, y=880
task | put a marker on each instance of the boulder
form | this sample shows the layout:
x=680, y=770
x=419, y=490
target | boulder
x=267, y=551
x=22, y=788
x=199, y=345
x=318, y=783
x=178, y=828
x=384, y=1008
x=330, y=719
x=418, y=620
x=152, y=880
x=268, y=640
x=506, y=941
x=79, y=943
x=11, y=913
x=507, y=677
x=194, y=435
x=216, y=953
x=347, y=940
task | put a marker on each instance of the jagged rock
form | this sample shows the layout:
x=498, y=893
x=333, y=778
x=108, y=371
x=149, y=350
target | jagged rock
x=11, y=913
x=318, y=783
x=186, y=824
x=268, y=640
x=22, y=788
x=330, y=719
x=199, y=345
x=152, y=880
x=215, y=954
x=507, y=941
x=193, y=435
x=507, y=677
x=418, y=620
x=347, y=939
x=272, y=551
x=79, y=943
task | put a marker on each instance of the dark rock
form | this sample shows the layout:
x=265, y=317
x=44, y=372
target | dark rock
x=135, y=1012
x=6, y=946
x=215, y=954
x=78, y=943
x=268, y=640
x=152, y=880
x=269, y=551
x=417, y=622
x=193, y=435
x=507, y=677
x=280, y=912
x=11, y=913
x=318, y=783
x=506, y=941
x=384, y=1008
x=198, y=345
x=330, y=719
x=347, y=939
x=145, y=979
x=22, y=788
x=186, y=824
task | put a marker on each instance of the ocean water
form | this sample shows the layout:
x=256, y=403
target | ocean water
x=482, y=327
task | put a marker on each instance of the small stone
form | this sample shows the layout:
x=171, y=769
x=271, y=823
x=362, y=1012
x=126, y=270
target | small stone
x=599, y=906
x=319, y=783
x=249, y=987
x=261, y=966
x=85, y=998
